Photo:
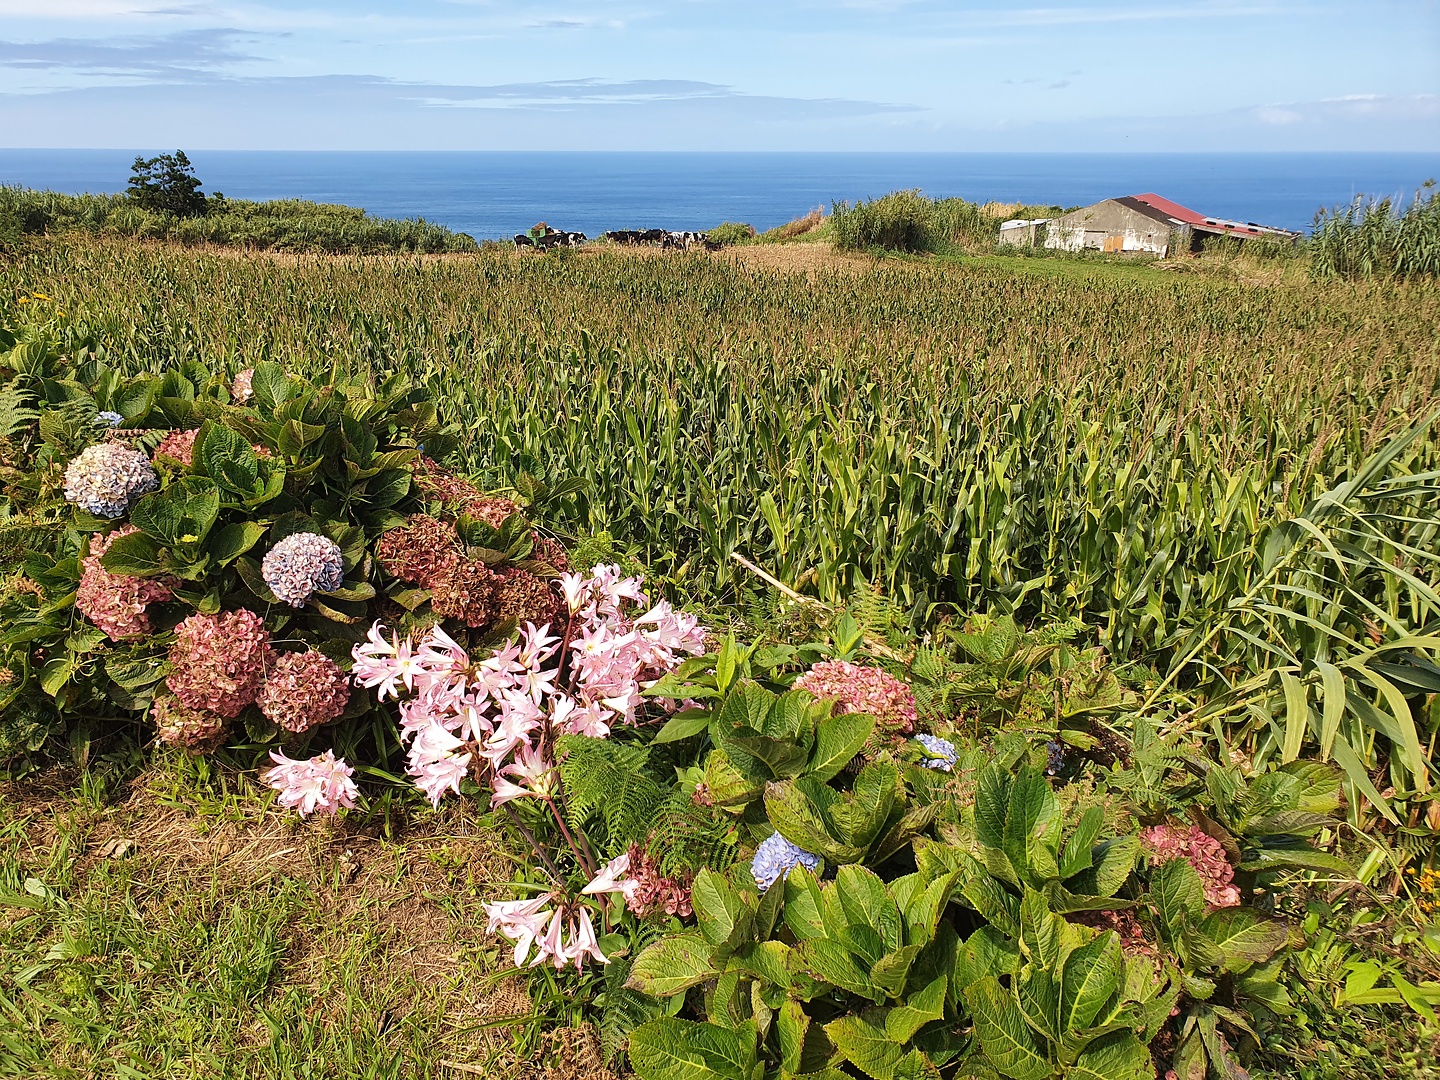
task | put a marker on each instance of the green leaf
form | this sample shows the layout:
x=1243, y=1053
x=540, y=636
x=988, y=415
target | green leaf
x=864, y=900
x=133, y=555
x=1243, y=936
x=791, y=1023
x=904, y=828
x=1039, y=996
x=832, y=963
x=1114, y=859
x=135, y=675
x=727, y=785
x=720, y=911
x=837, y=741
x=1297, y=716
x=860, y=817
x=1118, y=1056
x=227, y=459
x=1079, y=849
x=1178, y=893
x=892, y=970
x=866, y=1045
x=390, y=487
x=55, y=674
x=768, y=961
x=270, y=386
x=671, y=965
x=992, y=805
x=1007, y=1040
x=1033, y=824
x=920, y=1008
x=803, y=905
x=227, y=544
x=1091, y=975
x=181, y=514
x=987, y=952
x=683, y=725
x=796, y=817
x=780, y=757
x=672, y=1049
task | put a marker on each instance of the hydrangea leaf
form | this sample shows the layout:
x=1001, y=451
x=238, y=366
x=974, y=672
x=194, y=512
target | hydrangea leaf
x=1119, y=1056
x=837, y=741
x=1243, y=936
x=1007, y=1040
x=672, y=965
x=803, y=904
x=671, y=1049
x=1091, y=976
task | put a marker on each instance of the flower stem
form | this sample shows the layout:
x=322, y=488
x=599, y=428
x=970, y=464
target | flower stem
x=544, y=857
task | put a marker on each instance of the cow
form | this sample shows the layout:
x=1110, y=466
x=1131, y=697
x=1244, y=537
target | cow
x=523, y=241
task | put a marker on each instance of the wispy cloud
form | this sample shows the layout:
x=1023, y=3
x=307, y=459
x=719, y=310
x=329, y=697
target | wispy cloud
x=195, y=54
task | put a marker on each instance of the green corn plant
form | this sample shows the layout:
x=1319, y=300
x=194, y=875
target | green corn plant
x=1344, y=619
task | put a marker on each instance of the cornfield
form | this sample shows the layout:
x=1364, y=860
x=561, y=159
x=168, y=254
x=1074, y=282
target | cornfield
x=1111, y=445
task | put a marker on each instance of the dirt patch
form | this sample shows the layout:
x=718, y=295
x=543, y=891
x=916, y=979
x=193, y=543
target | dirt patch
x=809, y=258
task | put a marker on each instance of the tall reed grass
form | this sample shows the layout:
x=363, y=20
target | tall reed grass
x=909, y=221
x=1379, y=238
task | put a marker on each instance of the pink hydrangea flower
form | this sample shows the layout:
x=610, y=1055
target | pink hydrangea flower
x=114, y=602
x=178, y=446
x=241, y=387
x=856, y=689
x=1202, y=851
x=218, y=662
x=303, y=690
x=320, y=784
x=193, y=729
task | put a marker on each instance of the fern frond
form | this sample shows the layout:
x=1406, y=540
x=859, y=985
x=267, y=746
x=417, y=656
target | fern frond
x=609, y=782
x=16, y=411
x=687, y=837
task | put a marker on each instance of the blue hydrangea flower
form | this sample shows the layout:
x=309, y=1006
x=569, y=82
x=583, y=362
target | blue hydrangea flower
x=1054, y=758
x=940, y=754
x=109, y=419
x=303, y=564
x=107, y=477
x=774, y=858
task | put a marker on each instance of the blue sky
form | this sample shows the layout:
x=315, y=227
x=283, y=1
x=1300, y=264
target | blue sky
x=721, y=74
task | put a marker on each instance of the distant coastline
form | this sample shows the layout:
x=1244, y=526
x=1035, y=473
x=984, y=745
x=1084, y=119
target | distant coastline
x=494, y=194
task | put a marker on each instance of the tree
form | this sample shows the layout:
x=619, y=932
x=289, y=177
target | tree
x=167, y=184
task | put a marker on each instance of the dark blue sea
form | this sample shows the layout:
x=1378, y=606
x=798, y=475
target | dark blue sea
x=495, y=194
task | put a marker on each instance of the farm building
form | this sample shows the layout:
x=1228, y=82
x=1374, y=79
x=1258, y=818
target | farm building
x=1023, y=232
x=1139, y=223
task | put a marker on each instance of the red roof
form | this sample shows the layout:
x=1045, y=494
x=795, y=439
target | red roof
x=1200, y=221
x=1174, y=210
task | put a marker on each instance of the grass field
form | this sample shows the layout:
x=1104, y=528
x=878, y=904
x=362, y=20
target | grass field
x=1082, y=438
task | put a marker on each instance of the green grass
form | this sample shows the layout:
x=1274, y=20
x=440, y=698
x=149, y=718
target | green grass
x=228, y=941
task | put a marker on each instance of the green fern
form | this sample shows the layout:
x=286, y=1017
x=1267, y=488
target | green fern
x=622, y=1010
x=610, y=782
x=16, y=411
x=688, y=836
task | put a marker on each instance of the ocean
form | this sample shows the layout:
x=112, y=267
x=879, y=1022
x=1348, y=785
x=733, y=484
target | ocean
x=494, y=194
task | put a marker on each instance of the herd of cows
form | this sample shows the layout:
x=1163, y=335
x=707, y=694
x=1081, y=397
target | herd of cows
x=544, y=238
